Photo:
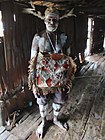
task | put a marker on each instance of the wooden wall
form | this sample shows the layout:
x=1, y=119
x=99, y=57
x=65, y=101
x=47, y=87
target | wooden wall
x=17, y=41
x=77, y=29
x=15, y=54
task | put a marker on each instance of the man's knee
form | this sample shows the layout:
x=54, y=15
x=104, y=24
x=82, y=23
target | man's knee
x=43, y=110
x=56, y=108
x=41, y=100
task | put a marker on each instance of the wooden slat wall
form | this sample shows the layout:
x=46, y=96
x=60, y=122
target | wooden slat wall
x=76, y=28
x=81, y=25
x=68, y=26
x=14, y=54
x=17, y=41
x=7, y=61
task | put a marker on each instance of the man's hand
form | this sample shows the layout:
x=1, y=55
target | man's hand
x=37, y=92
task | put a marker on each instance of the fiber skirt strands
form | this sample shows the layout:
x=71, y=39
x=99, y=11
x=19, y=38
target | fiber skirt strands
x=52, y=70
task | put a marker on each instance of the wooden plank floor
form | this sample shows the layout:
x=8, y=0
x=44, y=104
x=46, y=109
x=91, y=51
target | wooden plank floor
x=84, y=110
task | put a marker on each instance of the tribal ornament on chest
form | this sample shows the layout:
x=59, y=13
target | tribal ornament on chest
x=52, y=46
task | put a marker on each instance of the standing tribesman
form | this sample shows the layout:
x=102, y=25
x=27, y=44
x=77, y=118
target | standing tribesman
x=51, y=69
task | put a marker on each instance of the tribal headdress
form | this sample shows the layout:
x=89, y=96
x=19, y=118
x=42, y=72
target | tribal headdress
x=52, y=9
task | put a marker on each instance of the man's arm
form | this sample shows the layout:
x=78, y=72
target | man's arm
x=32, y=62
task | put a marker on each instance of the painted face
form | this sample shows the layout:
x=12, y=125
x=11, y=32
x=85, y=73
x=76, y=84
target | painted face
x=51, y=22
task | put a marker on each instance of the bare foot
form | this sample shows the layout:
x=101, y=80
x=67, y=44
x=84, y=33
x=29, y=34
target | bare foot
x=63, y=126
x=39, y=131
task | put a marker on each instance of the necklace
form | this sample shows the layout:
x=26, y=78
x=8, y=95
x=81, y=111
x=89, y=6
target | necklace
x=53, y=47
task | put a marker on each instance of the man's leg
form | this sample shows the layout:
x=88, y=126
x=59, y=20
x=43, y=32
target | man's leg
x=43, y=107
x=57, y=105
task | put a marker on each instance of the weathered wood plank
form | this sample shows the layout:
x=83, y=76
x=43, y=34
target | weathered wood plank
x=24, y=129
x=12, y=137
x=4, y=135
x=93, y=126
x=102, y=131
x=2, y=129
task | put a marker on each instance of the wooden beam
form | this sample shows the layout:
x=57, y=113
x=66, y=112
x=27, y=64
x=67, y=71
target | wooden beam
x=90, y=10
